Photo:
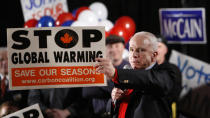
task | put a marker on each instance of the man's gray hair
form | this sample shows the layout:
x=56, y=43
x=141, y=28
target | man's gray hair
x=151, y=37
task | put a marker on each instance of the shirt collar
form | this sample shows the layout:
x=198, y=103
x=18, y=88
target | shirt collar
x=151, y=66
x=1, y=76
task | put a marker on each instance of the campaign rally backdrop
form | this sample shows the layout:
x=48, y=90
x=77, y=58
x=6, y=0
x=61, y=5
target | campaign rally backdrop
x=55, y=57
x=194, y=72
x=35, y=9
x=183, y=25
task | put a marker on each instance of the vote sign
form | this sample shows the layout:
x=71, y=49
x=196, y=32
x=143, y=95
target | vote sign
x=194, y=72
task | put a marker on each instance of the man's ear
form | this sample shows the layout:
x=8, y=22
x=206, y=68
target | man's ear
x=154, y=55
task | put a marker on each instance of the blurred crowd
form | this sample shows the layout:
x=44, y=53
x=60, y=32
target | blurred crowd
x=141, y=82
x=90, y=102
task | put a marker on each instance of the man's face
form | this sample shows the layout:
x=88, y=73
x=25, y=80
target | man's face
x=3, y=62
x=115, y=51
x=162, y=50
x=141, y=54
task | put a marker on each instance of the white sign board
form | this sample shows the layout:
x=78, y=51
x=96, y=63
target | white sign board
x=183, y=25
x=55, y=57
x=28, y=112
x=194, y=71
x=37, y=8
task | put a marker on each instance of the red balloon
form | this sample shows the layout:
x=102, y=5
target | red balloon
x=106, y=34
x=120, y=31
x=79, y=10
x=66, y=16
x=31, y=23
x=128, y=23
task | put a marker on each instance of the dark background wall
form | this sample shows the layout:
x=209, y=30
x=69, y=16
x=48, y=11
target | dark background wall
x=144, y=12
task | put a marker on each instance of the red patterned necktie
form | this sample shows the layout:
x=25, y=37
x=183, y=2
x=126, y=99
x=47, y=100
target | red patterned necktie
x=3, y=87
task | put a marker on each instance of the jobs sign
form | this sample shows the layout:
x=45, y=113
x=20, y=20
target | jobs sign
x=55, y=57
x=183, y=25
x=37, y=8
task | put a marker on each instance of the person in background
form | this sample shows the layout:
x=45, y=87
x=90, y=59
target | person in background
x=60, y=102
x=162, y=49
x=4, y=75
x=18, y=97
x=115, y=46
x=100, y=96
x=162, y=58
x=144, y=90
x=7, y=108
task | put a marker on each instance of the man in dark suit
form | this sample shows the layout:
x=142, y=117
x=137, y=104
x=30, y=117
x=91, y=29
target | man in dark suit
x=60, y=102
x=17, y=97
x=162, y=56
x=3, y=75
x=143, y=91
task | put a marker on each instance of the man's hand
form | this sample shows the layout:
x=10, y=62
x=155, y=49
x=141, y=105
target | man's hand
x=105, y=66
x=3, y=67
x=117, y=94
x=57, y=113
x=61, y=113
x=49, y=113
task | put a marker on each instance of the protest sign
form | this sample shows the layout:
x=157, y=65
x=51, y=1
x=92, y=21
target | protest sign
x=35, y=9
x=29, y=112
x=194, y=72
x=55, y=57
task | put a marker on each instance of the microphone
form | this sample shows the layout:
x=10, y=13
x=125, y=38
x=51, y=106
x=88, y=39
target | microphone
x=127, y=66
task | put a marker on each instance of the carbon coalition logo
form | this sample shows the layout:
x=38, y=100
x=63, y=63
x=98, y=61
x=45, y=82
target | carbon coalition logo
x=66, y=38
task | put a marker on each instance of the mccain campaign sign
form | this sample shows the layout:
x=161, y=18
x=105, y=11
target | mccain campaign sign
x=55, y=57
x=195, y=72
x=183, y=25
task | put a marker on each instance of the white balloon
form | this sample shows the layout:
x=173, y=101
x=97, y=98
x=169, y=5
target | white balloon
x=88, y=17
x=99, y=9
x=78, y=23
x=107, y=23
x=125, y=54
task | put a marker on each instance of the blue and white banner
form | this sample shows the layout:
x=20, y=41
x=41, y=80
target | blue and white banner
x=194, y=72
x=37, y=8
x=183, y=25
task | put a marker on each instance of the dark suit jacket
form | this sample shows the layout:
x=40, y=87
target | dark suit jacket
x=7, y=96
x=101, y=95
x=18, y=97
x=66, y=98
x=154, y=90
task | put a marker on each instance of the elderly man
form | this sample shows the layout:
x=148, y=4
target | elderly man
x=143, y=91
x=115, y=46
x=3, y=75
x=18, y=97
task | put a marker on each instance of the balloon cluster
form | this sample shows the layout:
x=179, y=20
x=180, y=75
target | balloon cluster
x=94, y=15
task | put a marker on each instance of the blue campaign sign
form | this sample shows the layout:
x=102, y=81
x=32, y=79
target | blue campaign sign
x=183, y=25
